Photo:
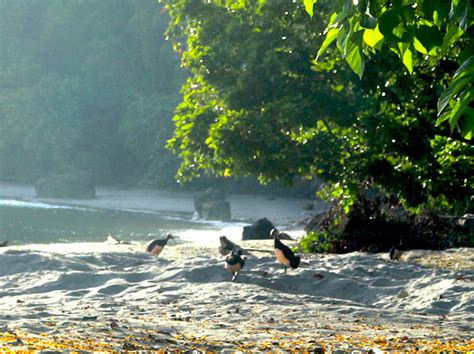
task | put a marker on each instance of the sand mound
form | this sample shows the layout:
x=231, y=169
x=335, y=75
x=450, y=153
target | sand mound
x=111, y=292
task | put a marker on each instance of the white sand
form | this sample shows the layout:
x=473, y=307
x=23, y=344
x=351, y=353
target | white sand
x=185, y=297
x=122, y=296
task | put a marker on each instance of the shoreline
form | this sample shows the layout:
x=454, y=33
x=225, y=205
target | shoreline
x=106, y=296
x=244, y=207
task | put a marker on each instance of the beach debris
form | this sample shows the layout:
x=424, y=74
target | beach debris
x=318, y=276
x=114, y=324
x=129, y=346
x=234, y=262
x=4, y=243
x=283, y=253
x=89, y=318
x=463, y=278
x=403, y=294
x=146, y=341
x=156, y=246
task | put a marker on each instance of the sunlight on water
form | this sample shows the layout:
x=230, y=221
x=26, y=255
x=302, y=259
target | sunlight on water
x=32, y=222
x=210, y=236
x=39, y=205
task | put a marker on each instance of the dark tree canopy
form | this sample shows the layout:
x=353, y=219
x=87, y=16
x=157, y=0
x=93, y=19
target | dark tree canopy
x=258, y=102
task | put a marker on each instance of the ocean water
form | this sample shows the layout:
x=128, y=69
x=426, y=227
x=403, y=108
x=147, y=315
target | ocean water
x=32, y=222
x=136, y=216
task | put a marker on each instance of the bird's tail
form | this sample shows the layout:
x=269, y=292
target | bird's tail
x=295, y=262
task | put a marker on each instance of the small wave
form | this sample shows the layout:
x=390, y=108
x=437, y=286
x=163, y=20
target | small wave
x=14, y=203
x=169, y=215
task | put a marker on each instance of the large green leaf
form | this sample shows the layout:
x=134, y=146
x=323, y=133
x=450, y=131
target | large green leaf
x=460, y=12
x=330, y=37
x=467, y=68
x=340, y=17
x=309, y=6
x=373, y=38
x=368, y=21
x=406, y=53
x=459, y=107
x=418, y=46
x=354, y=56
x=388, y=22
x=429, y=36
x=467, y=130
x=452, y=35
x=462, y=77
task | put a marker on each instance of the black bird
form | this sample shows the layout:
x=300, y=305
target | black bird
x=4, y=243
x=228, y=246
x=156, y=246
x=234, y=262
x=284, y=254
x=396, y=252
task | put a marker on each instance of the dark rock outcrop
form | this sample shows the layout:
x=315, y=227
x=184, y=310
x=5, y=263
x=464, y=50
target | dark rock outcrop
x=260, y=230
x=212, y=205
x=65, y=186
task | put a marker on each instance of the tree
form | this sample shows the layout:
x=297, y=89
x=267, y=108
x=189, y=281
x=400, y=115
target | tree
x=419, y=32
x=257, y=102
x=254, y=104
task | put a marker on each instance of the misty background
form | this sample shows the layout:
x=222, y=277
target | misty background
x=89, y=87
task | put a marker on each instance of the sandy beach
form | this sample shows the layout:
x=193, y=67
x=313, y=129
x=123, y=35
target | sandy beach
x=105, y=296
x=114, y=297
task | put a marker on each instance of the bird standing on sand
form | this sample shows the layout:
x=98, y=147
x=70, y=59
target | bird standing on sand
x=396, y=252
x=234, y=262
x=284, y=254
x=228, y=246
x=156, y=246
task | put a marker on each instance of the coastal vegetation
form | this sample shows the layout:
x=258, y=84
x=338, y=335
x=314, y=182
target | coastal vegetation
x=358, y=98
x=269, y=96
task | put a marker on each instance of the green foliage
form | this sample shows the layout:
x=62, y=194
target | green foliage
x=258, y=102
x=418, y=32
x=458, y=96
x=255, y=105
x=317, y=242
